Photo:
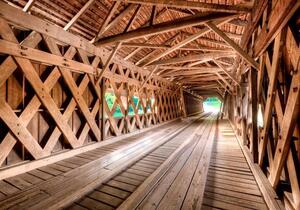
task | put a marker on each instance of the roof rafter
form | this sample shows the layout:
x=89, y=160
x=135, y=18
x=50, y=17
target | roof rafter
x=162, y=27
x=193, y=5
x=203, y=57
x=187, y=40
x=236, y=47
x=78, y=14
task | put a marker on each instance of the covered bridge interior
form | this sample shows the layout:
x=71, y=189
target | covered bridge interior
x=101, y=104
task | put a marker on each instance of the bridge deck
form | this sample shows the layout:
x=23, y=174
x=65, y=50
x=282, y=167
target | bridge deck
x=182, y=165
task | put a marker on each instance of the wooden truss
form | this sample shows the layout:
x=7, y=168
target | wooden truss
x=59, y=103
x=274, y=91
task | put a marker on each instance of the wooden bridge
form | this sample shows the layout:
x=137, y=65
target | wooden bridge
x=102, y=104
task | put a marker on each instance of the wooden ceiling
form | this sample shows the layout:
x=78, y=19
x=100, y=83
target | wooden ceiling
x=194, y=43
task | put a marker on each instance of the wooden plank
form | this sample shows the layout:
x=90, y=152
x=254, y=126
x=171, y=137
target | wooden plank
x=161, y=28
x=114, y=191
x=7, y=188
x=78, y=14
x=121, y=185
x=43, y=57
x=193, y=5
x=105, y=198
x=237, y=48
x=77, y=94
x=270, y=97
x=236, y=201
x=150, y=183
x=18, y=17
x=106, y=21
x=40, y=174
x=203, y=57
x=254, y=111
x=92, y=204
x=288, y=125
x=28, y=5
x=18, y=182
x=280, y=15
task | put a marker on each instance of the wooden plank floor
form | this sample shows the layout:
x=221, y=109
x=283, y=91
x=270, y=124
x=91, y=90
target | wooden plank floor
x=202, y=167
x=210, y=173
x=114, y=192
x=53, y=182
x=230, y=184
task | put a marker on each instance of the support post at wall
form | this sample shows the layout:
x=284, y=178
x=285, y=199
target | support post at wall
x=254, y=133
x=183, y=103
x=102, y=109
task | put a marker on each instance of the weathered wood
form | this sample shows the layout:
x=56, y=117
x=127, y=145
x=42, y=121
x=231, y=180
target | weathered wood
x=278, y=18
x=161, y=28
x=187, y=40
x=193, y=5
x=28, y=5
x=78, y=14
x=226, y=72
x=203, y=57
x=254, y=111
x=106, y=21
x=237, y=48
x=270, y=97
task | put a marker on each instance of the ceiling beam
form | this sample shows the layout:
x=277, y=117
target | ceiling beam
x=120, y=16
x=147, y=39
x=182, y=4
x=237, y=48
x=161, y=28
x=187, y=40
x=190, y=72
x=163, y=46
x=226, y=72
x=78, y=14
x=106, y=21
x=28, y=5
x=189, y=58
x=118, y=45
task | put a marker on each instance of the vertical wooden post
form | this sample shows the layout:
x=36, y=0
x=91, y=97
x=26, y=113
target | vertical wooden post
x=102, y=109
x=127, y=108
x=254, y=107
x=183, y=103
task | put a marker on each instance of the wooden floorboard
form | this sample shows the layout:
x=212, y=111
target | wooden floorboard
x=48, y=186
x=230, y=183
x=201, y=168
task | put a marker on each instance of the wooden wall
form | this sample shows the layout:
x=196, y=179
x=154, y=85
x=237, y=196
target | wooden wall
x=52, y=91
x=193, y=104
x=273, y=91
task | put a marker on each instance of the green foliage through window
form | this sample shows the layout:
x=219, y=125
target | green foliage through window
x=212, y=104
x=110, y=99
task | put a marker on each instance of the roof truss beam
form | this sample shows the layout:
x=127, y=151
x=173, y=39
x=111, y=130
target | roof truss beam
x=162, y=28
x=236, y=47
x=182, y=4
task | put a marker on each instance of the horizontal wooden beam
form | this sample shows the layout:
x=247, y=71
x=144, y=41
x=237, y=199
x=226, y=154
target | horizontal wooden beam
x=11, y=48
x=190, y=72
x=22, y=19
x=162, y=28
x=182, y=4
x=163, y=46
x=189, y=58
